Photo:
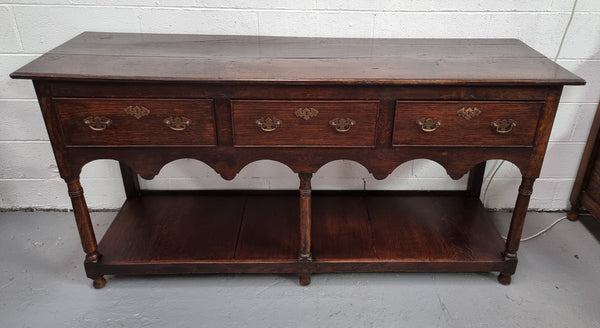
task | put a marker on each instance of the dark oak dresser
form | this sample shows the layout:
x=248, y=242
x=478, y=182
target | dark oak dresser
x=146, y=100
x=586, y=190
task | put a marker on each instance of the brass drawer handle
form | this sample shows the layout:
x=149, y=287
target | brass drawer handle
x=97, y=123
x=429, y=124
x=342, y=124
x=504, y=126
x=468, y=112
x=268, y=124
x=177, y=123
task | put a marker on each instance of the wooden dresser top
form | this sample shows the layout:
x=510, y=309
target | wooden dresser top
x=210, y=58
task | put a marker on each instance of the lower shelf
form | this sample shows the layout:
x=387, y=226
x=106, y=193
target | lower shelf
x=191, y=232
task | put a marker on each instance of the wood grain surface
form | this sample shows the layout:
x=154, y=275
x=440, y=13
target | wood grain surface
x=166, y=57
x=352, y=231
x=456, y=130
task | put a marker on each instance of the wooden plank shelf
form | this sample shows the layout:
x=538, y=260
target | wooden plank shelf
x=258, y=232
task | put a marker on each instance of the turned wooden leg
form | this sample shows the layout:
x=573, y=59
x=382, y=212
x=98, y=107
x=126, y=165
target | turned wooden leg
x=85, y=227
x=305, y=216
x=504, y=278
x=305, y=254
x=516, y=227
x=575, y=200
x=304, y=279
x=99, y=282
x=573, y=213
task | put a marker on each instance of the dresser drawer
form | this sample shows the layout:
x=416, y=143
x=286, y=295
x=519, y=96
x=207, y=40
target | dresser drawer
x=451, y=123
x=88, y=121
x=304, y=123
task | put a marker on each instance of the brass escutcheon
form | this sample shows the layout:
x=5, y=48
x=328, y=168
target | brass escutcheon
x=504, y=126
x=306, y=113
x=137, y=111
x=429, y=124
x=268, y=124
x=342, y=124
x=177, y=123
x=468, y=112
x=97, y=123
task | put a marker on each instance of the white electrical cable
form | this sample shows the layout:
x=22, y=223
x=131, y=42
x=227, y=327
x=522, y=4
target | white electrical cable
x=502, y=162
x=562, y=40
x=485, y=191
x=545, y=229
x=542, y=231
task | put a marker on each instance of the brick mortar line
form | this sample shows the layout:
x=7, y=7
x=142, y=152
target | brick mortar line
x=315, y=10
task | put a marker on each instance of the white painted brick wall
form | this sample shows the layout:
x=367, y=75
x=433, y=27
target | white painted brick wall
x=28, y=174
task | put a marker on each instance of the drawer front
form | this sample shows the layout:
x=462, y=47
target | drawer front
x=87, y=121
x=451, y=123
x=304, y=123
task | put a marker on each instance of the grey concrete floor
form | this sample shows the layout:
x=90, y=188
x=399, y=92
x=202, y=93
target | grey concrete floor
x=43, y=284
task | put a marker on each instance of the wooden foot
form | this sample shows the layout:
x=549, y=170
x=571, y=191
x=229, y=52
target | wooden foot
x=573, y=214
x=305, y=279
x=99, y=282
x=504, y=279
